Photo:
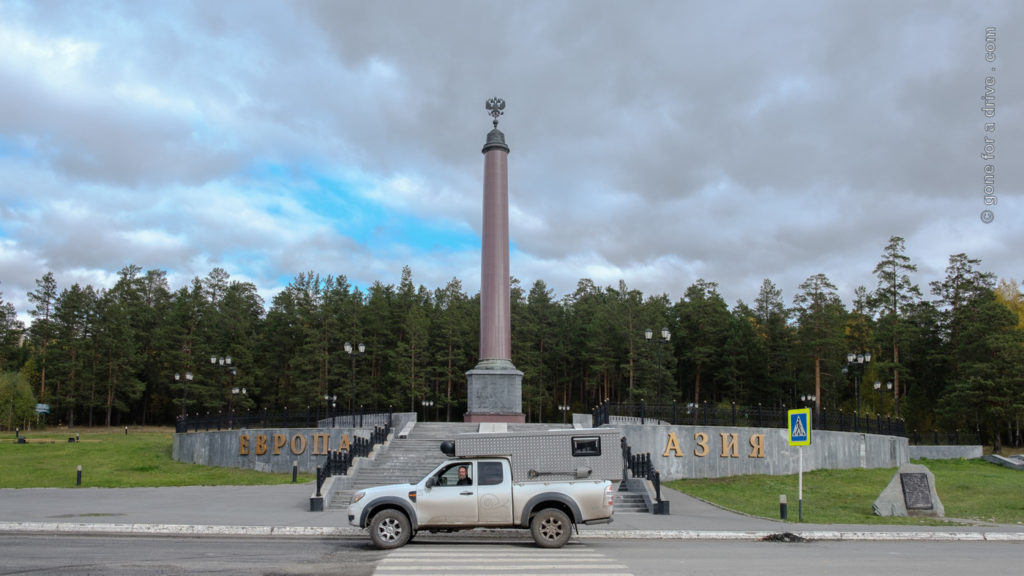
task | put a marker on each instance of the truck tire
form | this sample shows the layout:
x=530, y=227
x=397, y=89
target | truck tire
x=550, y=528
x=390, y=528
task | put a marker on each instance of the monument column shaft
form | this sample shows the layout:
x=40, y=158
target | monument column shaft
x=494, y=388
x=495, y=291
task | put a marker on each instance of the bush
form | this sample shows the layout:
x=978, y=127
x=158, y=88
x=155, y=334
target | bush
x=17, y=403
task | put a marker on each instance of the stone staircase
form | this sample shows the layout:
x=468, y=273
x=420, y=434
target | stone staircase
x=629, y=502
x=402, y=459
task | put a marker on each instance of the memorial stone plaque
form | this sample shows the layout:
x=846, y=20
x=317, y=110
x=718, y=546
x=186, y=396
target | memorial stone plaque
x=916, y=493
x=911, y=492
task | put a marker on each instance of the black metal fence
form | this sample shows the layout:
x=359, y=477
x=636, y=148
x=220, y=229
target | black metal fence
x=284, y=419
x=940, y=438
x=745, y=416
x=641, y=466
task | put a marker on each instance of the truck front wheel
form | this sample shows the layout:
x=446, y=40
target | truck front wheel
x=551, y=528
x=390, y=529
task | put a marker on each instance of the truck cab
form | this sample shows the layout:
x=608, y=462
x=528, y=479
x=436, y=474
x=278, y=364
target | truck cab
x=482, y=498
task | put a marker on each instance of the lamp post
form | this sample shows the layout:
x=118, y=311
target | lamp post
x=236, y=392
x=665, y=336
x=564, y=408
x=328, y=400
x=878, y=392
x=855, y=361
x=184, y=391
x=225, y=362
x=353, y=354
x=808, y=398
x=231, y=401
x=426, y=405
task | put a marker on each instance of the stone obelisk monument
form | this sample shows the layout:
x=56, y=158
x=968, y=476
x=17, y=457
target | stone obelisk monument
x=495, y=386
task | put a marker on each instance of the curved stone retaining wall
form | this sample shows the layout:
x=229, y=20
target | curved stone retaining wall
x=676, y=451
x=274, y=449
x=267, y=450
x=720, y=451
x=945, y=452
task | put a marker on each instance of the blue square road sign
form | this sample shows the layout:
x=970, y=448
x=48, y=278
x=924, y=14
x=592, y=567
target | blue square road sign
x=800, y=427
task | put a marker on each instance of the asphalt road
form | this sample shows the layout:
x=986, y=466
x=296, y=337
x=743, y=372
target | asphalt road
x=150, y=556
x=835, y=558
x=452, y=554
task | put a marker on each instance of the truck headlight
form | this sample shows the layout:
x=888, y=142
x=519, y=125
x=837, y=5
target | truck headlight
x=358, y=496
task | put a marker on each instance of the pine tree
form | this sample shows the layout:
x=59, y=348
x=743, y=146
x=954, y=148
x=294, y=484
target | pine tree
x=74, y=317
x=774, y=381
x=453, y=347
x=11, y=331
x=821, y=316
x=41, y=331
x=704, y=324
x=894, y=293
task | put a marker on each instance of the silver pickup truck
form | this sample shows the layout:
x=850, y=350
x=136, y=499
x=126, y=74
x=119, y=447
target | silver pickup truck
x=492, y=491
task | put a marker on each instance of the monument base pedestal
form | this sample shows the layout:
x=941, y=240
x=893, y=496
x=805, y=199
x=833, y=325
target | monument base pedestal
x=486, y=417
x=495, y=394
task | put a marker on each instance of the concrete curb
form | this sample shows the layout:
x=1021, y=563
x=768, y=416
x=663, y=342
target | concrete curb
x=814, y=535
x=341, y=532
x=178, y=529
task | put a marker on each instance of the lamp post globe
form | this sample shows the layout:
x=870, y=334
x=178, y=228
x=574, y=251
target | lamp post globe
x=353, y=353
x=664, y=336
x=855, y=362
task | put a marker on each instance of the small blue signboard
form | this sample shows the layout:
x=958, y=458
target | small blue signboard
x=800, y=427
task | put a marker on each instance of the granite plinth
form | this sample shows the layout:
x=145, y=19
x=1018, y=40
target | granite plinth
x=495, y=394
x=519, y=418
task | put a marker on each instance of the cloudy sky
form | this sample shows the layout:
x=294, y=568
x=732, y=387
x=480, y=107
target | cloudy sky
x=652, y=142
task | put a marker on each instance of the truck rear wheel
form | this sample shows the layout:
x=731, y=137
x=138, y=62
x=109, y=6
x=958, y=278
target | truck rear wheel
x=390, y=529
x=551, y=528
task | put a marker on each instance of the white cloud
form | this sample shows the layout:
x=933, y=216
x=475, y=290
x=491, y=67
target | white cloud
x=56, y=60
x=657, y=145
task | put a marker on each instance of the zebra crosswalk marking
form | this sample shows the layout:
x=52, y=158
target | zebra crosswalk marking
x=573, y=560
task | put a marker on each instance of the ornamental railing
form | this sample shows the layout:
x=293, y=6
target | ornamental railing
x=338, y=462
x=283, y=419
x=707, y=414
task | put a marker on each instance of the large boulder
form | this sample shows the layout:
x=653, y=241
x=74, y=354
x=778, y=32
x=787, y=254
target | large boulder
x=911, y=492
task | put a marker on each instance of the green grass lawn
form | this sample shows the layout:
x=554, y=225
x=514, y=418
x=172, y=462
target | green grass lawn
x=972, y=490
x=111, y=459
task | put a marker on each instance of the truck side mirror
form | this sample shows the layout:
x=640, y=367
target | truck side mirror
x=431, y=482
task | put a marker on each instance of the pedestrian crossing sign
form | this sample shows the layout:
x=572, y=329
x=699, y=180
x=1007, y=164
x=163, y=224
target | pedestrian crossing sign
x=800, y=427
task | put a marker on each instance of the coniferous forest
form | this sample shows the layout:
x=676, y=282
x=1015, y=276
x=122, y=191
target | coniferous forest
x=946, y=355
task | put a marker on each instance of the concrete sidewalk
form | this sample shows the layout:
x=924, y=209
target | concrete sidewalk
x=283, y=510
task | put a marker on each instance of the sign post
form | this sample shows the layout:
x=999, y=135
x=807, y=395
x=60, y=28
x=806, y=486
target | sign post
x=800, y=436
